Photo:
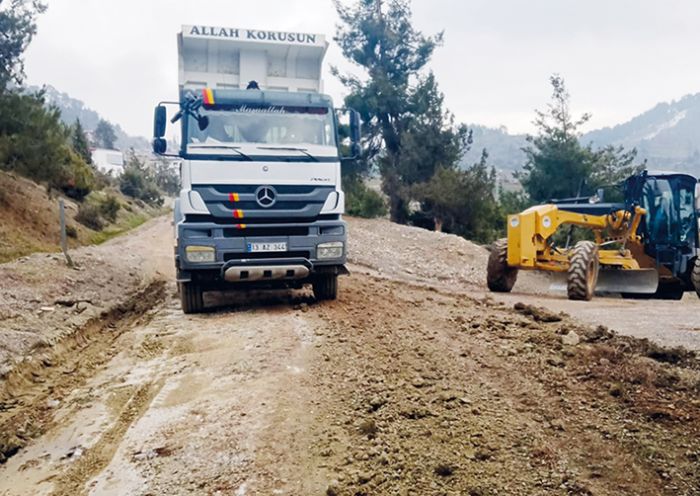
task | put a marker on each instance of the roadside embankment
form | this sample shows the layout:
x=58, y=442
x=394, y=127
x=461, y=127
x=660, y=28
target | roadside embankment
x=30, y=218
x=43, y=300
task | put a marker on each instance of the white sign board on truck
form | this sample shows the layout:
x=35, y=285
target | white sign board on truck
x=229, y=58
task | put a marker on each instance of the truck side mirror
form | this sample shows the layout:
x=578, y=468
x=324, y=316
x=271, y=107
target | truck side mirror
x=355, y=133
x=159, y=146
x=160, y=118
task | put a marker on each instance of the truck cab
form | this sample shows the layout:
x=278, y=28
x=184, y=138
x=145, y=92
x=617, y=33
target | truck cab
x=261, y=201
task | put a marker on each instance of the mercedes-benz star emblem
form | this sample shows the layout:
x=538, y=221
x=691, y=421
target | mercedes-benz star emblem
x=266, y=196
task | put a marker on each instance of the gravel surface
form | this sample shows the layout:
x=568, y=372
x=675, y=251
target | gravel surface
x=407, y=384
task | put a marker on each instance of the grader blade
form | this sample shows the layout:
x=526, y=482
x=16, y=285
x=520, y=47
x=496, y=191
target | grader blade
x=641, y=281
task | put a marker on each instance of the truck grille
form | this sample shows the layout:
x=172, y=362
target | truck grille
x=266, y=232
x=266, y=256
x=240, y=202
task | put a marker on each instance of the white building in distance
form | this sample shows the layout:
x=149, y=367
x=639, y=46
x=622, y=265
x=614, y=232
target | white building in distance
x=109, y=161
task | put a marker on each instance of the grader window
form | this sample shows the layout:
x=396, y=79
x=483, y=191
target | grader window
x=670, y=211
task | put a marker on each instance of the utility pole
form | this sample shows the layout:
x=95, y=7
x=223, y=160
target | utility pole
x=64, y=239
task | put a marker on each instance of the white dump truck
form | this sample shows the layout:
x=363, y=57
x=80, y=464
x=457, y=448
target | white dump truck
x=261, y=202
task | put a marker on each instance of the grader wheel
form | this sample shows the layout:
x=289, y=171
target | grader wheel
x=583, y=271
x=695, y=276
x=499, y=276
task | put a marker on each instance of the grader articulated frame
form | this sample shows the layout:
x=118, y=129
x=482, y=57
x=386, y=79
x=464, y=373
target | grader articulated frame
x=648, y=246
x=587, y=265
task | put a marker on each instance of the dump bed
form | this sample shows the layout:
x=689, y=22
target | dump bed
x=229, y=58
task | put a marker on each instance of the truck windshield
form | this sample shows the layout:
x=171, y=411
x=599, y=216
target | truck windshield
x=284, y=126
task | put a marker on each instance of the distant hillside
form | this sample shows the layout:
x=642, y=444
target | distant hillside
x=505, y=150
x=668, y=135
x=72, y=108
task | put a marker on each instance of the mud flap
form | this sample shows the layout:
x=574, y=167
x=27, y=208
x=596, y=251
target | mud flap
x=642, y=281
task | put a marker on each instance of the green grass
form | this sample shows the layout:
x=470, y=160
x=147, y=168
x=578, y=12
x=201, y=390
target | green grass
x=14, y=245
x=132, y=221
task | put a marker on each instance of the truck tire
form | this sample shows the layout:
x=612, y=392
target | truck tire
x=583, y=271
x=325, y=287
x=500, y=278
x=191, y=297
x=695, y=276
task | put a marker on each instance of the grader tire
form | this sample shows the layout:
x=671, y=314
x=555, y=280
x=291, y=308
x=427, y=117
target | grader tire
x=500, y=278
x=583, y=271
x=695, y=276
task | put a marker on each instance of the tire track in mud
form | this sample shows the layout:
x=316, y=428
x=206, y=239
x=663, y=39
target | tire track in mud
x=27, y=395
x=393, y=389
x=72, y=482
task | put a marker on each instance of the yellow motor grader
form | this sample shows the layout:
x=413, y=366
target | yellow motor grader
x=646, y=247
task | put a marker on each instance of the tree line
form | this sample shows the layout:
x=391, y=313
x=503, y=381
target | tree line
x=414, y=145
x=35, y=143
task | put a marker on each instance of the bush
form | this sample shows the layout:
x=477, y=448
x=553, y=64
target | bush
x=71, y=231
x=361, y=201
x=35, y=144
x=89, y=215
x=109, y=207
x=138, y=182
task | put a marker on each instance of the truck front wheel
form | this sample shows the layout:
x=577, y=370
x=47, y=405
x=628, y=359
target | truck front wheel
x=325, y=287
x=191, y=297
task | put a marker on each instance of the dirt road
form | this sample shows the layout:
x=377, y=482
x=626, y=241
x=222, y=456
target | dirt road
x=413, y=382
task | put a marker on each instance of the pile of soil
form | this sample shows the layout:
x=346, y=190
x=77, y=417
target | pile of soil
x=432, y=393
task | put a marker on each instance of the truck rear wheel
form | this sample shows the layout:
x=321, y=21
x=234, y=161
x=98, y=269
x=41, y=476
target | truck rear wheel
x=583, y=271
x=500, y=277
x=325, y=287
x=695, y=276
x=191, y=297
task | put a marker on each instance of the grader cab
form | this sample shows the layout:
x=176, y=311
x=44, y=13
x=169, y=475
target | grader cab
x=645, y=247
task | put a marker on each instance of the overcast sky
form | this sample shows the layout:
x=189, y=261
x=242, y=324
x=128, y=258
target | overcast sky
x=619, y=57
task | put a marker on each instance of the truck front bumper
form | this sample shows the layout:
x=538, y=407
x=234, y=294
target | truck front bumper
x=232, y=261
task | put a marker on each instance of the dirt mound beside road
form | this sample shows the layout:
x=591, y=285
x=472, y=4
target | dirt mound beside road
x=412, y=252
x=432, y=393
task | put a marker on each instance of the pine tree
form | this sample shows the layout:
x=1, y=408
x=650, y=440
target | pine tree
x=80, y=143
x=558, y=165
x=17, y=28
x=379, y=37
x=105, y=136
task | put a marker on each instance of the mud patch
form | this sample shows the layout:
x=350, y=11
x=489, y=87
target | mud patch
x=94, y=460
x=29, y=393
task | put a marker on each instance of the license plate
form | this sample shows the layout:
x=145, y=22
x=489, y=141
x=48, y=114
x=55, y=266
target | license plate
x=266, y=247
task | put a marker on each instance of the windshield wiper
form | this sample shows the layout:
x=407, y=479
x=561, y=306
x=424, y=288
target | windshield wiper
x=236, y=149
x=289, y=148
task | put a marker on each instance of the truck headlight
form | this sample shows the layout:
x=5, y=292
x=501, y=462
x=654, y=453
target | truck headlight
x=326, y=251
x=200, y=254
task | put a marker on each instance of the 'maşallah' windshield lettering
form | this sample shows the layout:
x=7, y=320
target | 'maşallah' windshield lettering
x=272, y=125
